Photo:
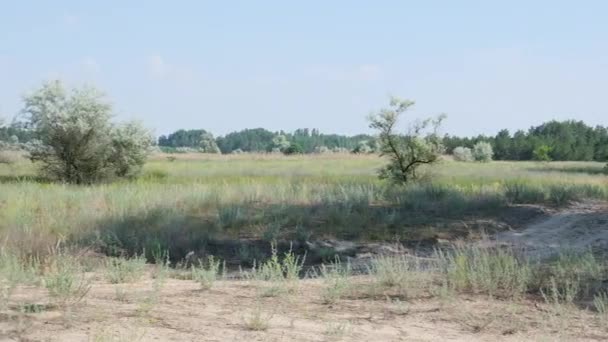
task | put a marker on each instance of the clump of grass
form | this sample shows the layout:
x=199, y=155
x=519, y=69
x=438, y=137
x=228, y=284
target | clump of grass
x=400, y=272
x=492, y=271
x=336, y=279
x=206, y=273
x=337, y=330
x=66, y=280
x=520, y=192
x=571, y=276
x=279, y=275
x=121, y=270
x=257, y=320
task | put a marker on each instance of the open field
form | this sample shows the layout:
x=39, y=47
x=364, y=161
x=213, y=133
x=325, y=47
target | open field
x=440, y=278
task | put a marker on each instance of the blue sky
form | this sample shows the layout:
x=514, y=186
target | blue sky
x=228, y=65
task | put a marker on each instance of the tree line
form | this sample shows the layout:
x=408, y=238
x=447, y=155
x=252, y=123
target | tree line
x=553, y=140
x=262, y=140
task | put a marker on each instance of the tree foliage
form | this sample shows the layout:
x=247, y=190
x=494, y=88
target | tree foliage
x=77, y=143
x=406, y=152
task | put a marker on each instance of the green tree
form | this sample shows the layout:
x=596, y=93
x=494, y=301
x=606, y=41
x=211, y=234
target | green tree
x=502, y=145
x=406, y=152
x=77, y=142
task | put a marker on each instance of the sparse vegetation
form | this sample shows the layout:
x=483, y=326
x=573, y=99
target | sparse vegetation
x=122, y=270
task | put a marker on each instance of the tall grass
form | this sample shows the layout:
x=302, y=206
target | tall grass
x=198, y=200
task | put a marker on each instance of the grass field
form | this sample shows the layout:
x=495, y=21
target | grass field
x=55, y=287
x=180, y=205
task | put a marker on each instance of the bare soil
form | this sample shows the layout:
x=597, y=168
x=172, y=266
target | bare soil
x=183, y=312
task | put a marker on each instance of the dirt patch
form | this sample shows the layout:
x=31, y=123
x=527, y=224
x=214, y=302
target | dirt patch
x=185, y=313
x=582, y=226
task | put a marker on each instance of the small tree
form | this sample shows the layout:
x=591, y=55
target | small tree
x=77, y=143
x=463, y=154
x=482, y=152
x=542, y=153
x=407, y=152
x=279, y=143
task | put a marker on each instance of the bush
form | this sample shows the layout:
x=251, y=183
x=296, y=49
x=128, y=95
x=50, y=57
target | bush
x=322, y=149
x=294, y=148
x=463, y=154
x=78, y=143
x=482, y=152
x=9, y=157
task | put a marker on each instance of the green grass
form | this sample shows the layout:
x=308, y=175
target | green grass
x=183, y=205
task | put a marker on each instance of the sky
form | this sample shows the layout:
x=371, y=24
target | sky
x=228, y=65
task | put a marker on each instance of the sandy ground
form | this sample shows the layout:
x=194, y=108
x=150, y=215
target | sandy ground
x=183, y=312
x=582, y=226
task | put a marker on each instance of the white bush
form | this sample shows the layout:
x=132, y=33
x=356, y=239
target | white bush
x=322, y=149
x=463, y=154
x=482, y=152
x=9, y=157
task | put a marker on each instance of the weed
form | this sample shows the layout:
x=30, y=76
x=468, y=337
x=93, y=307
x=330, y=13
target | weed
x=66, y=281
x=337, y=330
x=336, y=279
x=492, y=271
x=206, y=273
x=121, y=270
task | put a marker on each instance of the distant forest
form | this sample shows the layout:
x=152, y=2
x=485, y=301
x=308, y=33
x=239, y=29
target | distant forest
x=565, y=140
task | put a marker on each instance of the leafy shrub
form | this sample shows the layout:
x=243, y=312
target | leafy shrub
x=482, y=152
x=78, y=142
x=463, y=154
